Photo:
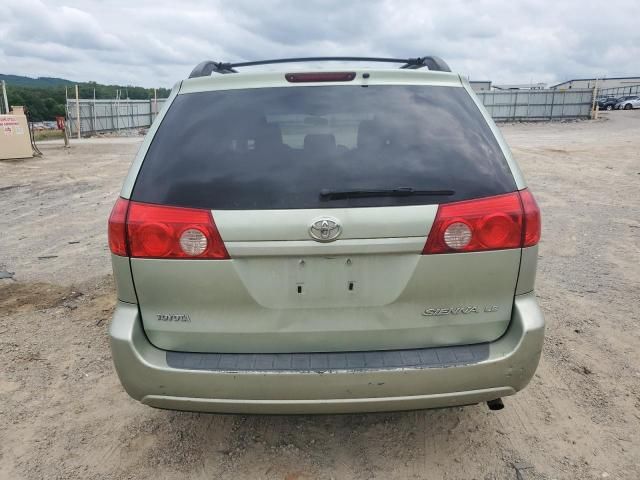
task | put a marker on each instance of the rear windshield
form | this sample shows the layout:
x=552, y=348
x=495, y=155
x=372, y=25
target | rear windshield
x=279, y=148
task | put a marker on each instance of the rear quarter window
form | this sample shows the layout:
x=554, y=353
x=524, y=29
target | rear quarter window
x=278, y=148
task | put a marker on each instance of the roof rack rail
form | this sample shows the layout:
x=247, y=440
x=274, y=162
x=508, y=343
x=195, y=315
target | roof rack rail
x=207, y=67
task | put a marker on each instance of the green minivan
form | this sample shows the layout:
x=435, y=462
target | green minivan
x=324, y=241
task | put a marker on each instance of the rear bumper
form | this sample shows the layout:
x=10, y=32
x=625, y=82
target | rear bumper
x=147, y=376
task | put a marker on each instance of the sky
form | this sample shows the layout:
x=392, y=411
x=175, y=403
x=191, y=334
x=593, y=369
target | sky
x=156, y=43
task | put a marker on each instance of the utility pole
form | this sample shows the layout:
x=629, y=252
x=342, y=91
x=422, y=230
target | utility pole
x=4, y=96
x=78, y=111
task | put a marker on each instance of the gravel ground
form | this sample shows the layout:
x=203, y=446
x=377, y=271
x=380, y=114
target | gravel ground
x=64, y=415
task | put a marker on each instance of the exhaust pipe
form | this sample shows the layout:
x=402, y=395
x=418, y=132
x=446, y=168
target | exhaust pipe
x=495, y=404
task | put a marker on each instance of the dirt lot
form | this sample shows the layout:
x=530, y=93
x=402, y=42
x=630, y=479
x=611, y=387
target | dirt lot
x=64, y=415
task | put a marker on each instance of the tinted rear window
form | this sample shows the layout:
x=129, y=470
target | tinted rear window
x=278, y=148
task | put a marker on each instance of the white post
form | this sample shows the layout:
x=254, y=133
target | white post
x=594, y=109
x=78, y=111
x=4, y=96
x=118, y=110
x=95, y=117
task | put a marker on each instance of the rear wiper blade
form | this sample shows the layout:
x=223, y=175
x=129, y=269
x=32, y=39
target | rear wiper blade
x=326, y=194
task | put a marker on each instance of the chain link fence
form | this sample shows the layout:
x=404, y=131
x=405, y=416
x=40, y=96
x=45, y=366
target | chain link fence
x=537, y=105
x=619, y=91
x=503, y=105
x=110, y=115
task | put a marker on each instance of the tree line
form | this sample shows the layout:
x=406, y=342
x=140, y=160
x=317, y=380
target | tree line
x=45, y=103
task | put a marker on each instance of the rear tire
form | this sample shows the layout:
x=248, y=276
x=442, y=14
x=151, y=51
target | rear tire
x=628, y=106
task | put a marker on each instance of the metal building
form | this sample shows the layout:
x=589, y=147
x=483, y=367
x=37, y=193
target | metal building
x=480, y=85
x=612, y=82
x=521, y=86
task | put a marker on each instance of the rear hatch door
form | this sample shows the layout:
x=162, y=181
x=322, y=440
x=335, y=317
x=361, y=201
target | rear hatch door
x=324, y=196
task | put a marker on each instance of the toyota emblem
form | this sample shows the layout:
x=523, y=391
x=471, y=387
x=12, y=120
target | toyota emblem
x=325, y=229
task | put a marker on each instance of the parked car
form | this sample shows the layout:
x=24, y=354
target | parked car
x=628, y=103
x=315, y=242
x=607, y=103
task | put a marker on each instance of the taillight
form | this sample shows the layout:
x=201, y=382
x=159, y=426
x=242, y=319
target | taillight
x=117, y=228
x=320, y=77
x=532, y=221
x=144, y=230
x=156, y=231
x=494, y=223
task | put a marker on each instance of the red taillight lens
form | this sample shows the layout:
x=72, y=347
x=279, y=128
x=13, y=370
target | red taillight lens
x=156, y=231
x=117, y=228
x=532, y=220
x=320, y=77
x=495, y=223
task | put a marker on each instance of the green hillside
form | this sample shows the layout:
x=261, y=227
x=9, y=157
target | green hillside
x=45, y=97
x=20, y=81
